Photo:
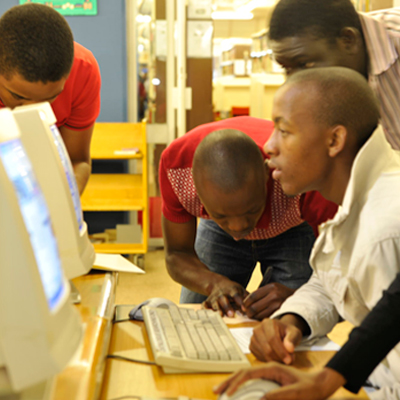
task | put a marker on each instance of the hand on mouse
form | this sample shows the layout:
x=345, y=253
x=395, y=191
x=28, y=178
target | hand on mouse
x=276, y=339
x=226, y=296
x=296, y=385
x=265, y=300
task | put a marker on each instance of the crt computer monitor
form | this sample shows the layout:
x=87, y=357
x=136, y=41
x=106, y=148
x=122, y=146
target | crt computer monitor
x=40, y=329
x=46, y=148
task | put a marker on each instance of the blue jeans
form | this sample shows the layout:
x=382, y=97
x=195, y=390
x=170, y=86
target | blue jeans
x=287, y=254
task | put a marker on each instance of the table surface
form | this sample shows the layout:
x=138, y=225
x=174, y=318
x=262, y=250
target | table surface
x=123, y=378
x=82, y=378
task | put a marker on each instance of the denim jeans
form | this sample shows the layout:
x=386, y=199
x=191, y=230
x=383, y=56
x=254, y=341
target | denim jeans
x=287, y=254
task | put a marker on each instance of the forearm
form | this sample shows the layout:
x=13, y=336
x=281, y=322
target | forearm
x=328, y=381
x=82, y=172
x=189, y=271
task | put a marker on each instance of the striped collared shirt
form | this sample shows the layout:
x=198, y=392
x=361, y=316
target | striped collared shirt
x=381, y=31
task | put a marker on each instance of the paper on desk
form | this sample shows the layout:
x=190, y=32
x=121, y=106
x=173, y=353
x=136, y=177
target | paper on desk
x=243, y=336
x=115, y=262
x=239, y=318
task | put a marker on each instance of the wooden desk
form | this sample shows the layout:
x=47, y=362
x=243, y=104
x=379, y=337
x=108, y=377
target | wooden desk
x=124, y=378
x=82, y=378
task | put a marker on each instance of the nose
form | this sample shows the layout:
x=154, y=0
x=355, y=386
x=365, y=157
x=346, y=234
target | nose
x=271, y=146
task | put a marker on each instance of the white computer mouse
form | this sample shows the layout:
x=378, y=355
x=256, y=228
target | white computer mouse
x=136, y=312
x=253, y=389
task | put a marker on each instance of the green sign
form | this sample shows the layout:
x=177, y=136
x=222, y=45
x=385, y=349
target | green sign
x=69, y=7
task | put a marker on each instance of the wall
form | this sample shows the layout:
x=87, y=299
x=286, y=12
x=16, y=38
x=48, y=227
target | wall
x=104, y=35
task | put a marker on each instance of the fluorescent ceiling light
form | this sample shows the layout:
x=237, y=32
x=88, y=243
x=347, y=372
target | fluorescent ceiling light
x=231, y=15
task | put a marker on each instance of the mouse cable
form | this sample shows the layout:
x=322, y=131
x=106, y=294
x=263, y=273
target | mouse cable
x=117, y=357
x=121, y=320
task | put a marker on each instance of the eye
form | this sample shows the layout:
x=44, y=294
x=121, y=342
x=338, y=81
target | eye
x=306, y=64
x=17, y=97
x=254, y=212
x=282, y=132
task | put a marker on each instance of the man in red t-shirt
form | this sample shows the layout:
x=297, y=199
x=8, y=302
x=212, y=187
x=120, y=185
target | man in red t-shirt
x=39, y=61
x=216, y=173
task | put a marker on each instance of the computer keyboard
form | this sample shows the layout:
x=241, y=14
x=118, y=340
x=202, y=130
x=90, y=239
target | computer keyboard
x=187, y=340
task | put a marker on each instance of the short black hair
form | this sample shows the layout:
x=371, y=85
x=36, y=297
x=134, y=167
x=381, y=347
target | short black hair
x=344, y=98
x=322, y=18
x=228, y=158
x=35, y=42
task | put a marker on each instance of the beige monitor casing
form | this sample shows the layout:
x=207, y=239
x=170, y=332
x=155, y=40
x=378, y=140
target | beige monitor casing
x=36, y=342
x=35, y=122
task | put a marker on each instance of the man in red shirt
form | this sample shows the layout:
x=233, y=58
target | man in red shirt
x=216, y=172
x=39, y=61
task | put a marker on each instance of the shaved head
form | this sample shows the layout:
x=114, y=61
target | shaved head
x=342, y=97
x=227, y=158
x=230, y=178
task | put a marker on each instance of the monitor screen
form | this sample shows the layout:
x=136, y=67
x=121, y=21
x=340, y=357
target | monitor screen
x=37, y=219
x=73, y=187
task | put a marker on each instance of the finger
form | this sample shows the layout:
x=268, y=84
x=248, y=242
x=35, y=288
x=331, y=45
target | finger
x=256, y=295
x=261, y=348
x=276, y=342
x=262, y=306
x=281, y=374
x=238, y=379
x=225, y=305
x=206, y=304
x=238, y=299
x=221, y=387
x=212, y=305
x=260, y=353
x=291, y=339
x=264, y=351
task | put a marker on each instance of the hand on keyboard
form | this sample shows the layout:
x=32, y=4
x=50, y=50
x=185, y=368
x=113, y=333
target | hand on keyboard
x=226, y=296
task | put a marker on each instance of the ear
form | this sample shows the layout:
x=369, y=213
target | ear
x=337, y=140
x=350, y=40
